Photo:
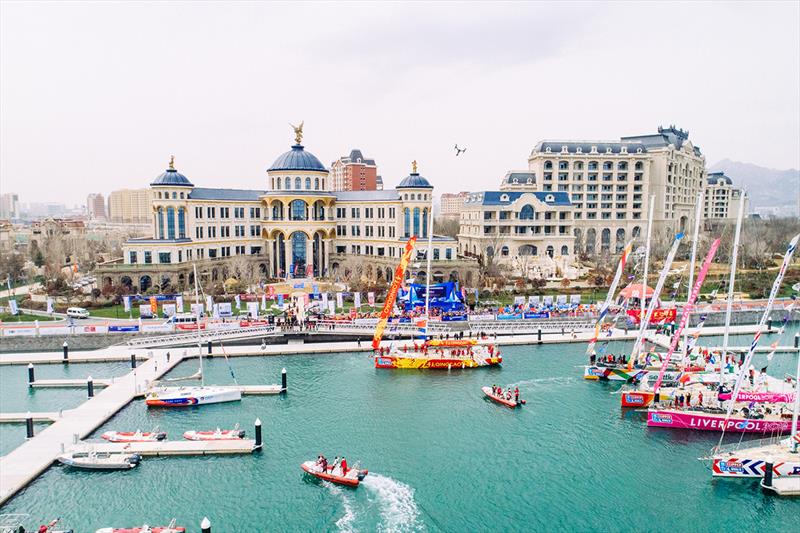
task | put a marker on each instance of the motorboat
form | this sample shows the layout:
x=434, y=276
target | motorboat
x=217, y=434
x=351, y=478
x=13, y=523
x=171, y=528
x=134, y=436
x=501, y=399
x=93, y=460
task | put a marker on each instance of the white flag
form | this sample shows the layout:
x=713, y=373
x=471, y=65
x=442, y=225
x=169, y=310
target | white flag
x=324, y=300
x=126, y=300
x=12, y=304
x=332, y=307
x=371, y=298
x=179, y=304
x=215, y=314
x=339, y=300
x=50, y=304
x=209, y=302
x=238, y=301
x=357, y=300
x=263, y=302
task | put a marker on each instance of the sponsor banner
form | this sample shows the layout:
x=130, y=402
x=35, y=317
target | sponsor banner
x=775, y=397
x=519, y=300
x=357, y=299
x=154, y=305
x=145, y=311
x=371, y=298
x=280, y=301
x=126, y=301
x=19, y=332
x=687, y=420
x=122, y=329
x=81, y=330
x=366, y=321
x=238, y=301
x=252, y=309
x=224, y=309
x=332, y=307
x=315, y=289
x=454, y=318
x=659, y=315
x=223, y=325
x=481, y=318
x=339, y=300
x=516, y=316
x=51, y=305
x=263, y=302
x=271, y=292
x=54, y=331
x=574, y=298
x=169, y=309
x=324, y=300
x=12, y=305
x=179, y=304
x=160, y=328
x=536, y=315
x=197, y=309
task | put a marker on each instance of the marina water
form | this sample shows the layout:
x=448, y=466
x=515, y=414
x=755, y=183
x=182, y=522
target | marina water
x=441, y=458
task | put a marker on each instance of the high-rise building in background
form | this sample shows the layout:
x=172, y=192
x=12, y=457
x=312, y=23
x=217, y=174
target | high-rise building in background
x=130, y=206
x=354, y=172
x=96, y=206
x=9, y=206
x=453, y=203
x=721, y=198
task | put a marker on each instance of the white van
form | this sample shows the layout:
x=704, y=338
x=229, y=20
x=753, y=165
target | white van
x=77, y=312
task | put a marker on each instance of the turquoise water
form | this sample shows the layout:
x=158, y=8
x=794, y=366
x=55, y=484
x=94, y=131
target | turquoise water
x=441, y=458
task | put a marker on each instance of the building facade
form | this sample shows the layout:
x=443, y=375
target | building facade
x=452, y=203
x=354, y=172
x=130, y=206
x=9, y=206
x=295, y=227
x=96, y=206
x=610, y=184
x=721, y=198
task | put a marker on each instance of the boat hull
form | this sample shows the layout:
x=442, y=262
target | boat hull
x=608, y=373
x=744, y=467
x=502, y=401
x=192, y=396
x=707, y=422
x=132, y=436
x=402, y=362
x=231, y=434
x=353, y=478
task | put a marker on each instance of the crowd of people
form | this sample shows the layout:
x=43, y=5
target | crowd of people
x=508, y=394
x=338, y=462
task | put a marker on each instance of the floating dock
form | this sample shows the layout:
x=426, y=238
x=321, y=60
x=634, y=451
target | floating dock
x=783, y=486
x=68, y=383
x=170, y=447
x=16, y=418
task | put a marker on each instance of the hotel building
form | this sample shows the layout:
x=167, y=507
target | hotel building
x=721, y=198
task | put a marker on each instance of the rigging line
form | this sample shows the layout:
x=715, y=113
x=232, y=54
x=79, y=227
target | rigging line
x=230, y=368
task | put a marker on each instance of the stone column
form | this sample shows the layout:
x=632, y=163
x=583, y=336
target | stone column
x=287, y=260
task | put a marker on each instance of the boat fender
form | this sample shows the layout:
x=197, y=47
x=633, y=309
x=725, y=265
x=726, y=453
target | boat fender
x=161, y=435
x=241, y=433
x=135, y=459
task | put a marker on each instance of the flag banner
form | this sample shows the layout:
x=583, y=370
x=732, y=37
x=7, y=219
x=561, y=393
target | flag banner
x=357, y=300
x=215, y=311
x=324, y=300
x=574, y=298
x=392, y=294
x=371, y=298
x=169, y=309
x=332, y=307
x=252, y=309
x=51, y=305
x=339, y=300
x=179, y=304
x=610, y=295
x=145, y=311
x=238, y=301
x=548, y=300
x=271, y=292
x=315, y=289
x=561, y=299
x=12, y=305
x=154, y=305
x=209, y=302
x=534, y=300
x=197, y=309
x=519, y=300
x=263, y=302
x=280, y=301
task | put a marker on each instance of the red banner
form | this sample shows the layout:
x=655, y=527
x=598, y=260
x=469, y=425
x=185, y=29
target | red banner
x=154, y=305
x=399, y=273
x=659, y=315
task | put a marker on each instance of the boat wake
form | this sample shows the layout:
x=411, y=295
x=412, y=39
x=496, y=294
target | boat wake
x=345, y=522
x=556, y=380
x=399, y=511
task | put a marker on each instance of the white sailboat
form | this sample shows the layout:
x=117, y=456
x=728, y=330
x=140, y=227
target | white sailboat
x=163, y=396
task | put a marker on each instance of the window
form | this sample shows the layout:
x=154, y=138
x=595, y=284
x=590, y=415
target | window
x=416, y=221
x=160, y=223
x=224, y=231
x=355, y=231
x=298, y=210
x=406, y=222
x=132, y=258
x=225, y=212
x=526, y=213
x=316, y=184
x=448, y=253
x=180, y=256
x=148, y=257
x=308, y=184
x=298, y=183
x=288, y=183
x=255, y=212
x=355, y=212
x=435, y=254
x=198, y=232
x=238, y=212
x=254, y=231
x=211, y=212
x=212, y=232
x=181, y=224
x=198, y=212
x=255, y=250
x=278, y=184
x=164, y=257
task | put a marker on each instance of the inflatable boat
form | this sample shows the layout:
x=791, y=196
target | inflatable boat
x=501, y=399
x=351, y=479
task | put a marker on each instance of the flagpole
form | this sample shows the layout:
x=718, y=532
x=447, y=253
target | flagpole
x=428, y=273
x=692, y=262
x=731, y=279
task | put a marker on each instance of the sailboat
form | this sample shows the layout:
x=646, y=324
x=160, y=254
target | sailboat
x=739, y=416
x=442, y=354
x=164, y=396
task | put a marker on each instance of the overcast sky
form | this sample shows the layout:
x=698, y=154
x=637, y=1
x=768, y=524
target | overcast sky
x=97, y=96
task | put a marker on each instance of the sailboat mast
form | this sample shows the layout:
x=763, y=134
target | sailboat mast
x=795, y=429
x=731, y=278
x=199, y=343
x=428, y=272
x=647, y=250
x=695, y=238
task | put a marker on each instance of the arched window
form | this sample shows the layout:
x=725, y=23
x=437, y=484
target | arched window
x=406, y=222
x=174, y=195
x=424, y=223
x=159, y=195
x=620, y=240
x=171, y=222
x=277, y=211
x=298, y=183
x=316, y=184
x=504, y=251
x=565, y=250
x=181, y=223
x=550, y=251
x=308, y=184
x=298, y=210
x=181, y=196
x=416, y=221
x=528, y=249
x=605, y=240
x=489, y=251
x=526, y=213
x=160, y=223
x=288, y=183
x=278, y=184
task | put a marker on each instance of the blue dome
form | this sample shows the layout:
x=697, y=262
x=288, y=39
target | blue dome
x=715, y=178
x=414, y=181
x=297, y=159
x=172, y=177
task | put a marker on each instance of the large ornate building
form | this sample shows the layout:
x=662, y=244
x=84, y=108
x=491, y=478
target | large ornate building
x=295, y=227
x=721, y=199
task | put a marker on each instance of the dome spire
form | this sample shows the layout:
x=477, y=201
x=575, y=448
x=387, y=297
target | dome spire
x=414, y=166
x=172, y=162
x=298, y=132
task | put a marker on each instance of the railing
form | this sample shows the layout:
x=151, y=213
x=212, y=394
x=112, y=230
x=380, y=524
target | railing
x=330, y=326
x=205, y=336
x=530, y=326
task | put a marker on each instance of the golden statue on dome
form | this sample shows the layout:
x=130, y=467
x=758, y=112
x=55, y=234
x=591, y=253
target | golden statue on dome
x=172, y=162
x=414, y=166
x=298, y=132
